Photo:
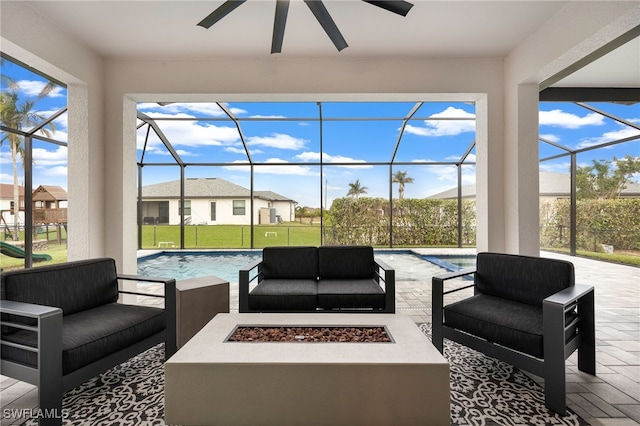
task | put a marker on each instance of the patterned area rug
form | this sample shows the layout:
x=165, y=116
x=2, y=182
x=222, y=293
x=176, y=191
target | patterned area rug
x=484, y=391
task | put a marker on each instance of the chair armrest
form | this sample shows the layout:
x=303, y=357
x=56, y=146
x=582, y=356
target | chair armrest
x=569, y=295
x=48, y=330
x=29, y=310
x=455, y=274
x=147, y=279
x=243, y=284
x=170, y=306
x=437, y=301
x=389, y=285
x=570, y=331
x=168, y=282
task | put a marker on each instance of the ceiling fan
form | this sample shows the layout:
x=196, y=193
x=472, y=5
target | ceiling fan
x=318, y=9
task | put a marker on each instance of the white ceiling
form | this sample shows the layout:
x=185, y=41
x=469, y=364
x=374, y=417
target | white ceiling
x=168, y=29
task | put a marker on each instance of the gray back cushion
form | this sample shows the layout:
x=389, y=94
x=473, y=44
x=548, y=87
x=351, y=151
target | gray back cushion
x=72, y=286
x=290, y=263
x=524, y=279
x=346, y=262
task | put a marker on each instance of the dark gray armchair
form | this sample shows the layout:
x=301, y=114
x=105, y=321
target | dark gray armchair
x=526, y=311
x=62, y=325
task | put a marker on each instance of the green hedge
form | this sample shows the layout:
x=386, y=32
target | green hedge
x=610, y=222
x=416, y=222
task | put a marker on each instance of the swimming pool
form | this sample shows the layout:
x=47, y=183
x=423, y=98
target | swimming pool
x=452, y=262
x=226, y=264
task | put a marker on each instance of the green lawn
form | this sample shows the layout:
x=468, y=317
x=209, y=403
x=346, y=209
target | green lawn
x=231, y=236
x=58, y=253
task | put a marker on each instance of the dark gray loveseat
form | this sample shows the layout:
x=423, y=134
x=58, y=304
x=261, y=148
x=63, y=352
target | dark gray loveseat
x=526, y=311
x=62, y=325
x=317, y=279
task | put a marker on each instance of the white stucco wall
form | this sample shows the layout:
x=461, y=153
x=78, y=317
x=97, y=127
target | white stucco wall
x=102, y=96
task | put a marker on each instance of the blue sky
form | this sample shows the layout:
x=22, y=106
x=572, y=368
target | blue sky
x=289, y=133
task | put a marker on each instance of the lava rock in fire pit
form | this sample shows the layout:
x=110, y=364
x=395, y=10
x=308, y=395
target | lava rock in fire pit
x=310, y=334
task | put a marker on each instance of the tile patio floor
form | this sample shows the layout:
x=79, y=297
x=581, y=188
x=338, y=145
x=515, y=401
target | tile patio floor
x=611, y=398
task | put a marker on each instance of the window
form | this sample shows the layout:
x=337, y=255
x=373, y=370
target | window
x=213, y=211
x=187, y=207
x=238, y=207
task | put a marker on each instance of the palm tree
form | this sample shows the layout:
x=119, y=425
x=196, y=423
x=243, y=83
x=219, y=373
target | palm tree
x=16, y=114
x=356, y=189
x=401, y=178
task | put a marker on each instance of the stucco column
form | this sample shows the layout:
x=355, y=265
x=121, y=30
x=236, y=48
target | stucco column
x=120, y=178
x=521, y=165
x=489, y=174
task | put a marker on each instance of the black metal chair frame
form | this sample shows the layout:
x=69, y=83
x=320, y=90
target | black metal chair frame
x=48, y=375
x=561, y=338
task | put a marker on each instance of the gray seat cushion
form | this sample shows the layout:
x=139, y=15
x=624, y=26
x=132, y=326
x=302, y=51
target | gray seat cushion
x=93, y=334
x=284, y=295
x=505, y=322
x=354, y=293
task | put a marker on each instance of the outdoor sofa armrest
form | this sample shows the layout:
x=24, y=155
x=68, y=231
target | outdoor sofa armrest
x=243, y=283
x=562, y=327
x=170, y=306
x=437, y=301
x=389, y=278
x=48, y=329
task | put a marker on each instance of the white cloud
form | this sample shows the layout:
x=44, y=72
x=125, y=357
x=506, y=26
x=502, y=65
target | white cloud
x=45, y=158
x=6, y=178
x=277, y=140
x=471, y=158
x=555, y=167
x=550, y=137
x=446, y=127
x=235, y=150
x=55, y=171
x=614, y=135
x=189, y=133
x=328, y=158
x=208, y=109
x=183, y=153
x=34, y=88
x=559, y=118
x=276, y=167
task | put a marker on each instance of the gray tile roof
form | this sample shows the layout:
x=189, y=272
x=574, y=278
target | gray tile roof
x=206, y=188
x=551, y=184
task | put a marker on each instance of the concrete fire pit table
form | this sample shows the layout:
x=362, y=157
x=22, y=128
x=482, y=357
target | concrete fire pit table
x=213, y=381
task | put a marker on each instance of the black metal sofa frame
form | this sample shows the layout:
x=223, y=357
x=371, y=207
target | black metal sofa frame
x=62, y=325
x=317, y=279
x=526, y=311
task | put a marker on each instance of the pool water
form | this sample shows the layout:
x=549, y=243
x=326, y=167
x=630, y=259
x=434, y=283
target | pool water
x=182, y=266
x=225, y=265
x=452, y=262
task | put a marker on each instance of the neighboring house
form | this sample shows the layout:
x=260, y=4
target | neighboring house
x=553, y=186
x=213, y=201
x=6, y=203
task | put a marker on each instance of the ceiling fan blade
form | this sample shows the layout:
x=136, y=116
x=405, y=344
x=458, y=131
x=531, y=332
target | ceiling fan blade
x=226, y=8
x=400, y=7
x=325, y=20
x=279, y=22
